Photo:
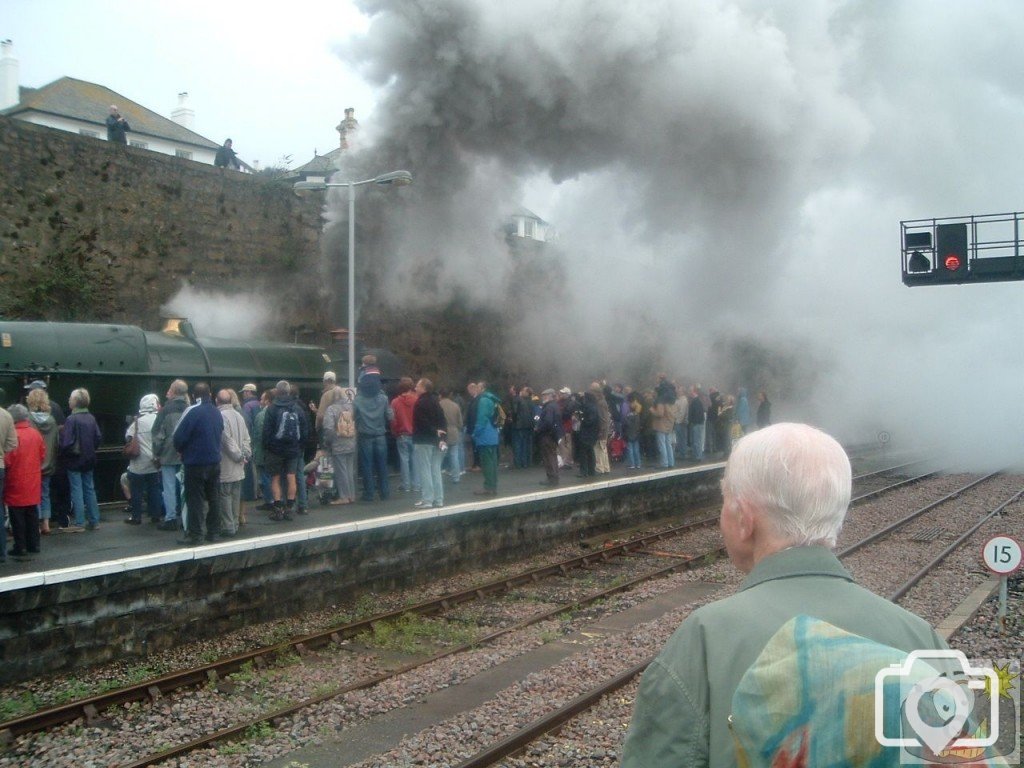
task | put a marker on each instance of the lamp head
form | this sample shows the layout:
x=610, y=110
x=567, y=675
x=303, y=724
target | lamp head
x=395, y=178
x=307, y=188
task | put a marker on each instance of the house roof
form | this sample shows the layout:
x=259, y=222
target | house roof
x=526, y=213
x=77, y=99
x=325, y=164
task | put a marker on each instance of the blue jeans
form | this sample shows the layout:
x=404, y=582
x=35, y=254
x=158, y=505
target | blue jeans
x=83, y=497
x=456, y=459
x=171, y=491
x=632, y=453
x=681, y=441
x=697, y=441
x=410, y=477
x=373, y=459
x=665, y=452
x=428, y=467
x=145, y=487
x=522, y=448
x=44, y=502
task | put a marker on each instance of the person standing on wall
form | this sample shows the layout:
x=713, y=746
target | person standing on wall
x=117, y=126
x=226, y=157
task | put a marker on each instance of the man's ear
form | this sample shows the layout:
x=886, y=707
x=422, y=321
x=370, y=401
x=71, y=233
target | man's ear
x=745, y=519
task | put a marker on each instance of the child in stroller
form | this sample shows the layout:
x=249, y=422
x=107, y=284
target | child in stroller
x=320, y=477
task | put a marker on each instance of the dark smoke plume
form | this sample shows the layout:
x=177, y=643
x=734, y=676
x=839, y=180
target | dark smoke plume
x=711, y=167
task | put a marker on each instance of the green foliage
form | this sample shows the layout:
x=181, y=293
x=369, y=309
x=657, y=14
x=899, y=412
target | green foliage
x=411, y=634
x=17, y=707
x=287, y=659
x=76, y=689
x=244, y=674
x=259, y=731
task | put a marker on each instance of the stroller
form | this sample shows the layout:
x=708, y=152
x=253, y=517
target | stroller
x=616, y=448
x=319, y=477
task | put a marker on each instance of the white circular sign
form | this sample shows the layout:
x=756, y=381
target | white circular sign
x=1002, y=555
x=883, y=438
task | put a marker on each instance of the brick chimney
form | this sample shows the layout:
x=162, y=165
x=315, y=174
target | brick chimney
x=348, y=129
x=183, y=114
x=9, y=95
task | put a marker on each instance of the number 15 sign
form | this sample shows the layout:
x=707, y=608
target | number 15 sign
x=1002, y=555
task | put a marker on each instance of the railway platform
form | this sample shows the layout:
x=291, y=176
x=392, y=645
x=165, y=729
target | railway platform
x=124, y=591
x=114, y=541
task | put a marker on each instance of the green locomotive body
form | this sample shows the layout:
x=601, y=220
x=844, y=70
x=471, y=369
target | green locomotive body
x=119, y=364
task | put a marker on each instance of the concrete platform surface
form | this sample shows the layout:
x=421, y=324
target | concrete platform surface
x=116, y=546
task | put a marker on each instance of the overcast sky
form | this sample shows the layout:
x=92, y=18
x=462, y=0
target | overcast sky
x=261, y=73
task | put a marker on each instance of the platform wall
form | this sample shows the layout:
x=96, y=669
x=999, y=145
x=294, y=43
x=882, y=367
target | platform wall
x=54, y=627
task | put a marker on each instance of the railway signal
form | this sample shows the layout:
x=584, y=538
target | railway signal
x=962, y=249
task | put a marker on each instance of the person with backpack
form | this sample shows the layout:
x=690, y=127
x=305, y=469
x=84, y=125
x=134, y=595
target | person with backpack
x=338, y=438
x=549, y=434
x=198, y=439
x=282, y=442
x=786, y=491
x=490, y=416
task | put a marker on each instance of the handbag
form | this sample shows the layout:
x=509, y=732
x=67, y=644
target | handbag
x=132, y=448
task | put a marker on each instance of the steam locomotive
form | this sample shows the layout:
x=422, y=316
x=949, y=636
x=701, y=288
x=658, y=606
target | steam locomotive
x=119, y=364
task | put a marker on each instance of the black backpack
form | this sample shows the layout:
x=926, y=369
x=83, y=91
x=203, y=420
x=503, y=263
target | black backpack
x=288, y=430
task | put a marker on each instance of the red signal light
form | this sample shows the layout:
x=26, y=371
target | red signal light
x=952, y=262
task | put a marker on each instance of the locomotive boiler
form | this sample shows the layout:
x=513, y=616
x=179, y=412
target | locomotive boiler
x=119, y=364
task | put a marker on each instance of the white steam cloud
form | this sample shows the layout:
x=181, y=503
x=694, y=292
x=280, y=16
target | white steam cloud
x=716, y=170
x=221, y=315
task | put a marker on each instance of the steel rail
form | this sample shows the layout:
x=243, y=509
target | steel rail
x=155, y=687
x=887, y=469
x=555, y=719
x=239, y=730
x=894, y=486
x=912, y=516
x=925, y=570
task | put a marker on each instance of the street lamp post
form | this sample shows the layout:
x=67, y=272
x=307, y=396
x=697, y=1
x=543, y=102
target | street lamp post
x=394, y=178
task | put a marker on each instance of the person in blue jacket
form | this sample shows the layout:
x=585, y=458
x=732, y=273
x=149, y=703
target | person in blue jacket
x=742, y=412
x=197, y=438
x=485, y=437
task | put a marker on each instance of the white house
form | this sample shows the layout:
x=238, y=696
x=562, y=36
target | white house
x=527, y=224
x=80, y=107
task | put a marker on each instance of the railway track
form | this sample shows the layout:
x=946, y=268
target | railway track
x=552, y=722
x=215, y=672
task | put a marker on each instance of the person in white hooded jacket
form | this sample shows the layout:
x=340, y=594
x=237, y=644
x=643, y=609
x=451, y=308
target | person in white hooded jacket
x=143, y=473
x=235, y=451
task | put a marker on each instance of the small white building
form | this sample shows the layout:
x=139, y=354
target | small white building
x=527, y=224
x=81, y=107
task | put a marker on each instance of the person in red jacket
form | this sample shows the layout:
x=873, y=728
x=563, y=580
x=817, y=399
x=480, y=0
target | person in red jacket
x=401, y=428
x=24, y=483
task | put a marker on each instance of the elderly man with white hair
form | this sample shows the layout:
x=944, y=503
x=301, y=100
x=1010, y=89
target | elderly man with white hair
x=785, y=493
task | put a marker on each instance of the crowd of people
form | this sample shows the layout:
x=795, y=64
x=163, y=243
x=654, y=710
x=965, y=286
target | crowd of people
x=194, y=460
